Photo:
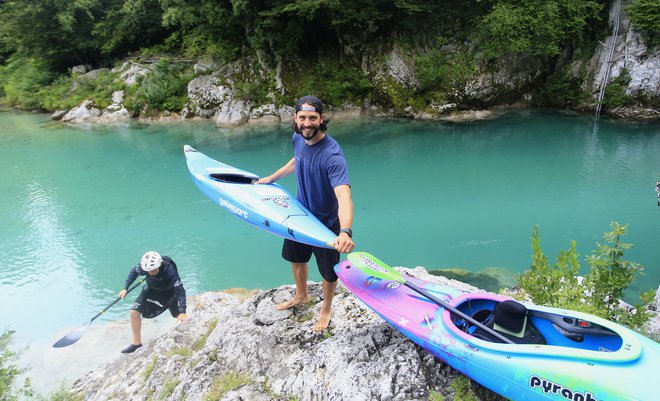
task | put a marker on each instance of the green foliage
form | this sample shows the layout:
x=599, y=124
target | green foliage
x=165, y=88
x=148, y=370
x=227, y=382
x=333, y=82
x=463, y=390
x=129, y=26
x=615, y=92
x=182, y=351
x=535, y=27
x=168, y=389
x=561, y=90
x=21, y=80
x=439, y=73
x=199, y=344
x=204, y=27
x=610, y=273
x=435, y=396
x=62, y=394
x=599, y=291
x=59, y=31
x=9, y=372
x=645, y=18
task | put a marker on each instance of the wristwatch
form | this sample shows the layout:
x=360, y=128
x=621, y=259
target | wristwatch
x=348, y=231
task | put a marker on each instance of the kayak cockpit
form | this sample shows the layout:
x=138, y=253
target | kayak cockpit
x=231, y=175
x=522, y=326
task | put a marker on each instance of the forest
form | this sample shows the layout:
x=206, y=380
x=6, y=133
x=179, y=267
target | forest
x=40, y=41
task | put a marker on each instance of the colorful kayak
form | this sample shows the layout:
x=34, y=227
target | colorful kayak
x=549, y=353
x=267, y=206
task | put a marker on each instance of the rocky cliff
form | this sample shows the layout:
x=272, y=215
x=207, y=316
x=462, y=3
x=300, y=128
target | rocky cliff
x=232, y=349
x=509, y=82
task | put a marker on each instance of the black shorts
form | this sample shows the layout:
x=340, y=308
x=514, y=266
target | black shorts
x=326, y=259
x=151, y=303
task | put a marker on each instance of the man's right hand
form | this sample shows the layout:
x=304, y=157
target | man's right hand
x=265, y=180
x=122, y=294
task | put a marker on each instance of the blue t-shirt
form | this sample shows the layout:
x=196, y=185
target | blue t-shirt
x=320, y=168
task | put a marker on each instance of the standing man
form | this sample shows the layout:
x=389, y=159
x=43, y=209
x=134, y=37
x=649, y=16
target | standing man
x=324, y=189
x=163, y=290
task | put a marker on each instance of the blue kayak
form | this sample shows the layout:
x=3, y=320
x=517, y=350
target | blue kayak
x=267, y=206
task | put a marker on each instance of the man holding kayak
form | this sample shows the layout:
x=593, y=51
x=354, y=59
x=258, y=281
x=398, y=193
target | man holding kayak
x=324, y=189
x=164, y=290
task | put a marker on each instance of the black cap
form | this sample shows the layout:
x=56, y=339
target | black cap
x=313, y=100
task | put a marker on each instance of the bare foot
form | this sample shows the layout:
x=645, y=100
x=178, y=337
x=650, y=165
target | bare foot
x=297, y=300
x=324, y=321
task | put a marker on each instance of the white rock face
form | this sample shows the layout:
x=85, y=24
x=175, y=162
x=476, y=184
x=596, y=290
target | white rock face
x=116, y=112
x=206, y=96
x=130, y=71
x=86, y=112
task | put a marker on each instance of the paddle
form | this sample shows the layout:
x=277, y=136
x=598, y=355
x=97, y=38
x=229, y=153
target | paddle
x=371, y=265
x=80, y=331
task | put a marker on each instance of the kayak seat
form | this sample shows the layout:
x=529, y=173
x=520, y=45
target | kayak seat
x=510, y=319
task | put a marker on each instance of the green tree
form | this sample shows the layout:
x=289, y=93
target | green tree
x=129, y=25
x=535, y=27
x=9, y=372
x=202, y=27
x=645, y=18
x=57, y=31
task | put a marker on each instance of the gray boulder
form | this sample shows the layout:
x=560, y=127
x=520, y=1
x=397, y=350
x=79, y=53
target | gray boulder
x=265, y=114
x=233, y=114
x=116, y=112
x=85, y=112
x=206, y=96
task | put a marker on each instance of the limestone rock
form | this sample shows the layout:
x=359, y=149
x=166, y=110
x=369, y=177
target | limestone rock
x=116, y=112
x=265, y=114
x=85, y=112
x=130, y=71
x=233, y=114
x=207, y=95
x=277, y=355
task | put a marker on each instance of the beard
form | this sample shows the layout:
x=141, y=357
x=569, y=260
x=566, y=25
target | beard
x=297, y=130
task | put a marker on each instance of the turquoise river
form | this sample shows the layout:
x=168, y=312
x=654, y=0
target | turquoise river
x=79, y=205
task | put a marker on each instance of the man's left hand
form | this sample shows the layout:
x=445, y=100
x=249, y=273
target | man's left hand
x=182, y=317
x=343, y=243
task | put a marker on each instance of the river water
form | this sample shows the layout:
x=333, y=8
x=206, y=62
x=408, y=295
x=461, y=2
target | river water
x=79, y=205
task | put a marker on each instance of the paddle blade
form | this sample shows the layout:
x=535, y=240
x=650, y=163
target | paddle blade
x=72, y=337
x=375, y=267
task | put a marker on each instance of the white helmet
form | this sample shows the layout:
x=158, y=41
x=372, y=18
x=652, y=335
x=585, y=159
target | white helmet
x=150, y=261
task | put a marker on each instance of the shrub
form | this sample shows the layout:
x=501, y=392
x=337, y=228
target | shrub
x=9, y=372
x=615, y=92
x=166, y=87
x=599, y=291
x=20, y=81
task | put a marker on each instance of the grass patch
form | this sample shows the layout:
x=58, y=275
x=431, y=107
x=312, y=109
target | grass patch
x=225, y=383
x=183, y=351
x=168, y=389
x=463, y=389
x=63, y=394
x=199, y=344
x=148, y=370
x=435, y=396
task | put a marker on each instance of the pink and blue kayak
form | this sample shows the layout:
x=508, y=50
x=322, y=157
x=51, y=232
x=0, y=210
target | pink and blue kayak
x=519, y=350
x=267, y=206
